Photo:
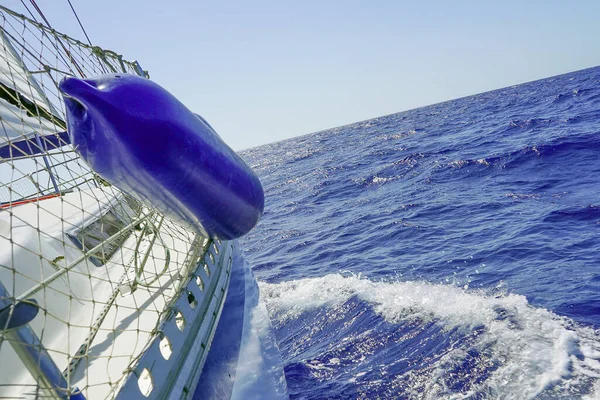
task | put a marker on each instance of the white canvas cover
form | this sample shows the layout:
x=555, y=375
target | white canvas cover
x=15, y=123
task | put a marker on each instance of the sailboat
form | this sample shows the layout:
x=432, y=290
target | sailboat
x=102, y=294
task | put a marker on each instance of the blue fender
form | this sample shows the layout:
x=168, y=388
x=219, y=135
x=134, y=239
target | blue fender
x=144, y=141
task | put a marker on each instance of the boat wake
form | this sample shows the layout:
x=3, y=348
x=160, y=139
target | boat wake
x=422, y=340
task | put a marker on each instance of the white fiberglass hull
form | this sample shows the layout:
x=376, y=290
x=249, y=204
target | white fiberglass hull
x=113, y=329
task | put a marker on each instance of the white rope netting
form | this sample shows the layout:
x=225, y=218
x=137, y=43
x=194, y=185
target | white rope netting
x=97, y=280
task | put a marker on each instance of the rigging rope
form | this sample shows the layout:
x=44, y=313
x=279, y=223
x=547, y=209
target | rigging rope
x=36, y=20
x=80, y=24
x=29, y=11
x=59, y=41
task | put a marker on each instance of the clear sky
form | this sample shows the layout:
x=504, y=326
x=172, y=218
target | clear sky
x=263, y=71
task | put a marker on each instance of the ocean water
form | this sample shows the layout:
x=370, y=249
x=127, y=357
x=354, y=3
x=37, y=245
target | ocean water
x=447, y=252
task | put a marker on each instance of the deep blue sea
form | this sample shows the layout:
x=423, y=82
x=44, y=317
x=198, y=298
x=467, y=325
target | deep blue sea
x=447, y=252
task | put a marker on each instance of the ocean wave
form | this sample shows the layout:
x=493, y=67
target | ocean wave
x=573, y=94
x=563, y=148
x=574, y=214
x=519, y=351
x=387, y=137
x=525, y=124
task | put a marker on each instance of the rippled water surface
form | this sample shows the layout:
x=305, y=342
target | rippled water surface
x=450, y=251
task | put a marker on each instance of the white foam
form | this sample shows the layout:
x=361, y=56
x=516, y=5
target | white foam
x=536, y=348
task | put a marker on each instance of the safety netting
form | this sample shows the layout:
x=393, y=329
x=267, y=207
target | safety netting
x=100, y=295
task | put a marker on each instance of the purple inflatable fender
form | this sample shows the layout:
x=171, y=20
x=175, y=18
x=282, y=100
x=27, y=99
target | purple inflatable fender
x=144, y=141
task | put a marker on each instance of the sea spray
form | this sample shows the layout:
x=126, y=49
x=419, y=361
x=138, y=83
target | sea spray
x=536, y=351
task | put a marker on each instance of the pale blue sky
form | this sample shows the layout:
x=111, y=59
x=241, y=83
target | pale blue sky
x=262, y=71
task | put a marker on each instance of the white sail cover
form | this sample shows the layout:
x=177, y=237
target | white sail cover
x=16, y=86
